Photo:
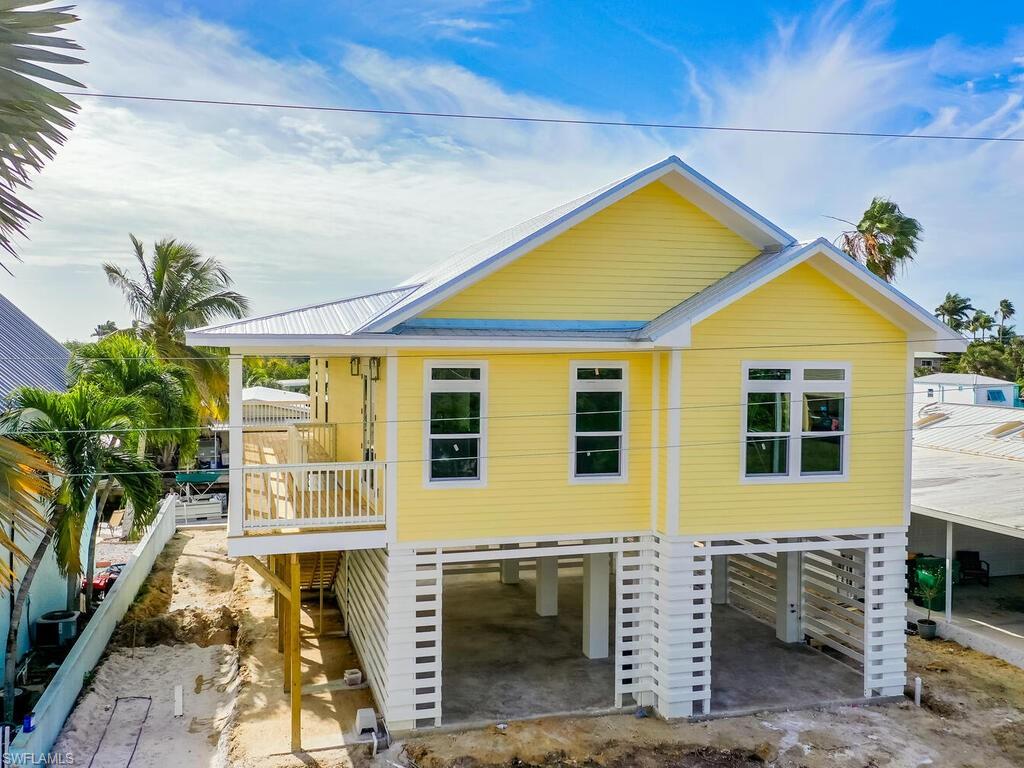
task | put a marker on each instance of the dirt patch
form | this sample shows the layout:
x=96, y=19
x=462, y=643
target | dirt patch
x=973, y=715
x=183, y=600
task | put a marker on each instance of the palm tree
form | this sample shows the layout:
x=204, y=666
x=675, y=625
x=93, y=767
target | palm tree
x=76, y=430
x=104, y=329
x=884, y=241
x=984, y=322
x=954, y=310
x=33, y=118
x=24, y=481
x=124, y=366
x=1005, y=312
x=180, y=289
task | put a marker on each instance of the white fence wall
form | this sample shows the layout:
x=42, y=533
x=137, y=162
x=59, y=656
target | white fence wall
x=60, y=695
x=752, y=580
x=833, y=600
x=366, y=616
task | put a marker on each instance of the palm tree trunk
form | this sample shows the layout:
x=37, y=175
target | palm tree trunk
x=128, y=521
x=11, y=655
x=90, y=565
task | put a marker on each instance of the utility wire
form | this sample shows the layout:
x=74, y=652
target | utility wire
x=221, y=426
x=526, y=353
x=542, y=120
x=738, y=441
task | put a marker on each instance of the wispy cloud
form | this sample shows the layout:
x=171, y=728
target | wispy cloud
x=310, y=206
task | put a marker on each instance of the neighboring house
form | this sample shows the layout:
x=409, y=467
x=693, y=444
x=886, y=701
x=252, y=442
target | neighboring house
x=970, y=388
x=929, y=361
x=968, y=495
x=653, y=382
x=30, y=357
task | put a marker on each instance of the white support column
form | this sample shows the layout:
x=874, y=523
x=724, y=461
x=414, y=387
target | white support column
x=885, y=615
x=596, y=574
x=949, y=570
x=547, y=586
x=414, y=628
x=719, y=579
x=634, y=623
x=789, y=597
x=682, y=640
x=509, y=568
x=236, y=480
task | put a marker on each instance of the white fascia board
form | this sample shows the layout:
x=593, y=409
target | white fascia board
x=300, y=543
x=377, y=344
x=716, y=202
x=968, y=522
x=928, y=332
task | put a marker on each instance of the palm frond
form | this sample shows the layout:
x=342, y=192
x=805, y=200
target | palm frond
x=33, y=117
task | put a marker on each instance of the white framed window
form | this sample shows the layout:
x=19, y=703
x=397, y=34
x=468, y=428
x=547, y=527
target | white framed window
x=598, y=438
x=795, y=421
x=455, y=422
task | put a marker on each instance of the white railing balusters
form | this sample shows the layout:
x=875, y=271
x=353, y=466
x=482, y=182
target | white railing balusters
x=314, y=495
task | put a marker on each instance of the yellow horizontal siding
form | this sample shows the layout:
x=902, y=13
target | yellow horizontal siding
x=800, y=308
x=528, y=492
x=631, y=261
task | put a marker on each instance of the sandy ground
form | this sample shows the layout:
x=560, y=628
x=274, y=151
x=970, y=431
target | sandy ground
x=973, y=716
x=179, y=631
x=208, y=677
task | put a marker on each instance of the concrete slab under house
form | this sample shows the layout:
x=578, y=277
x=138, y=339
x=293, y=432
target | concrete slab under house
x=612, y=457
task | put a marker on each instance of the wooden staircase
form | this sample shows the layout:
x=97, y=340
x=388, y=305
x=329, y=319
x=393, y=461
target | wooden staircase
x=319, y=569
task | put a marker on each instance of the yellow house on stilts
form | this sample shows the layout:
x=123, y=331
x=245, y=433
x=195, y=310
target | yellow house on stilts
x=608, y=458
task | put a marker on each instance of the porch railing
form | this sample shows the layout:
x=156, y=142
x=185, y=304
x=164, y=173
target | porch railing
x=314, y=495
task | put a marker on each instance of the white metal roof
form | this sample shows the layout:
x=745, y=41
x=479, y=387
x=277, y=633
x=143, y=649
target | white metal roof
x=334, y=318
x=969, y=429
x=29, y=356
x=962, y=379
x=272, y=395
x=928, y=355
x=980, y=491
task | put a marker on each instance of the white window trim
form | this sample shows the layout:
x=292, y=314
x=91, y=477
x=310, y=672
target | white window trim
x=599, y=385
x=430, y=386
x=797, y=387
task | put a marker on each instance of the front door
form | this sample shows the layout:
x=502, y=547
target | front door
x=369, y=419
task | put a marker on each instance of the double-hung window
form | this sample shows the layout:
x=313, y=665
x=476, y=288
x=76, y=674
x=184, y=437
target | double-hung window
x=599, y=421
x=456, y=406
x=795, y=421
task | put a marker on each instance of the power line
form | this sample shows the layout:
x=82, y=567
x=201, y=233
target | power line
x=543, y=120
x=524, y=353
x=738, y=441
x=271, y=426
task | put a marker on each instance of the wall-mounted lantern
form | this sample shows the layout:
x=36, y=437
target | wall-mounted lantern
x=353, y=366
x=375, y=368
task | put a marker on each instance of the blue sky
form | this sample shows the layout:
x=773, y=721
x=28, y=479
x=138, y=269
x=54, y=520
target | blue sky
x=306, y=207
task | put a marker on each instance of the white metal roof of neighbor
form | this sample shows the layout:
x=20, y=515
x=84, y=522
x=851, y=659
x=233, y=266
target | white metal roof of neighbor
x=29, y=356
x=272, y=395
x=979, y=491
x=928, y=355
x=983, y=430
x=961, y=379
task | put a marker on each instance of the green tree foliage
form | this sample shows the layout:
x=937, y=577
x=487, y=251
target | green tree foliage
x=33, y=117
x=987, y=359
x=24, y=479
x=78, y=432
x=885, y=239
x=271, y=371
x=179, y=289
x=954, y=311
